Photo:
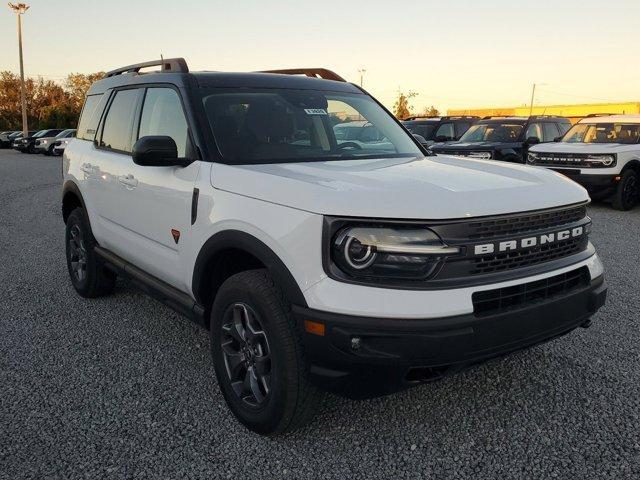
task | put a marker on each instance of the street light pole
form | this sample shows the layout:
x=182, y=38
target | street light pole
x=19, y=9
x=362, y=71
x=533, y=93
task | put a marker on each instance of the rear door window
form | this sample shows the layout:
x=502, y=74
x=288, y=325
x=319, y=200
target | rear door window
x=116, y=133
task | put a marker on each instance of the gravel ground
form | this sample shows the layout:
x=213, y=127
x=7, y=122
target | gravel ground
x=122, y=387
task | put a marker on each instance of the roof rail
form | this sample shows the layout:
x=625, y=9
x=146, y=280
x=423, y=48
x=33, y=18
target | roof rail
x=443, y=117
x=166, y=65
x=546, y=116
x=591, y=115
x=501, y=116
x=309, y=72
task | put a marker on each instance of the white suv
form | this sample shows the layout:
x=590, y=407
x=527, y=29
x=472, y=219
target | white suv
x=316, y=264
x=602, y=153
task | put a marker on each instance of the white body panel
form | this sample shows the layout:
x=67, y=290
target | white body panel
x=440, y=187
x=625, y=153
x=283, y=205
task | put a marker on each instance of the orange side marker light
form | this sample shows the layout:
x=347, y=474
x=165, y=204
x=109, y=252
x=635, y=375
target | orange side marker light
x=314, y=328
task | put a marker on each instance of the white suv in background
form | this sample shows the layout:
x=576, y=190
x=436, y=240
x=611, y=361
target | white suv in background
x=316, y=263
x=602, y=153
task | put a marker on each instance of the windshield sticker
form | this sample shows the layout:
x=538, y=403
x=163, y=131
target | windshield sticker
x=315, y=111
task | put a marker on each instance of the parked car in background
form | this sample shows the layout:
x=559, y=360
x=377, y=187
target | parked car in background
x=60, y=144
x=46, y=144
x=505, y=138
x=5, y=138
x=28, y=145
x=601, y=153
x=17, y=139
x=360, y=134
x=439, y=129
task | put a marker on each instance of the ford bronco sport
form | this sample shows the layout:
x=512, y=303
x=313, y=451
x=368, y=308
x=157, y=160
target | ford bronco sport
x=316, y=264
x=505, y=138
x=602, y=153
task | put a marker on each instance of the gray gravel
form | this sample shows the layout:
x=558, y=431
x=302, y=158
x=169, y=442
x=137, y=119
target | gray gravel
x=123, y=387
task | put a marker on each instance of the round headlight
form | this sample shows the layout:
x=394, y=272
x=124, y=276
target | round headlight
x=357, y=255
x=607, y=160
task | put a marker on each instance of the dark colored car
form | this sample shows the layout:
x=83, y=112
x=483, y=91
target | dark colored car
x=28, y=144
x=505, y=138
x=16, y=140
x=439, y=129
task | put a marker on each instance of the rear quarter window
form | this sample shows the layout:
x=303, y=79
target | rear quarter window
x=90, y=117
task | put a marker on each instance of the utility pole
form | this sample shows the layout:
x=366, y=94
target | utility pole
x=362, y=71
x=20, y=9
x=533, y=93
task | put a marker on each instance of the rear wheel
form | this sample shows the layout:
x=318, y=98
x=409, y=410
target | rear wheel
x=87, y=271
x=258, y=355
x=627, y=193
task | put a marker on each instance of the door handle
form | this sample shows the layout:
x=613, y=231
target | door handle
x=128, y=180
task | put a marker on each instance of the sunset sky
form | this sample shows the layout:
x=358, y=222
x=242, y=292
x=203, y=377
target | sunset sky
x=454, y=53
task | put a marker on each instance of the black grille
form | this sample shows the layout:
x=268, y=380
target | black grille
x=564, y=160
x=517, y=296
x=524, y=258
x=507, y=226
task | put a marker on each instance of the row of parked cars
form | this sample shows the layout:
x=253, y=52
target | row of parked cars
x=600, y=152
x=49, y=141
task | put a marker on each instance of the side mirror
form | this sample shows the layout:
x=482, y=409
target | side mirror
x=442, y=138
x=421, y=140
x=558, y=139
x=156, y=151
x=532, y=141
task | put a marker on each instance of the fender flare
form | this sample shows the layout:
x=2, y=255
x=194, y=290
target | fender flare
x=71, y=187
x=239, y=240
x=633, y=164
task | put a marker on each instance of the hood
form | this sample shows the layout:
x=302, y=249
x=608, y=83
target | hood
x=418, y=188
x=456, y=146
x=565, y=147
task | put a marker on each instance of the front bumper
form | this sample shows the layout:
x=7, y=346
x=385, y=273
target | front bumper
x=362, y=357
x=593, y=183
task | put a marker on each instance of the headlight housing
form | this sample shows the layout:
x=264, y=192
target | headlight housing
x=387, y=254
x=602, y=161
x=532, y=157
x=480, y=155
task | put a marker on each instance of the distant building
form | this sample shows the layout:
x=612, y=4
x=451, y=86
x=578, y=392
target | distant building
x=573, y=112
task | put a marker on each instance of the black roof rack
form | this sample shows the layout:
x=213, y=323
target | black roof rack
x=489, y=117
x=309, y=72
x=442, y=117
x=546, y=116
x=591, y=115
x=173, y=65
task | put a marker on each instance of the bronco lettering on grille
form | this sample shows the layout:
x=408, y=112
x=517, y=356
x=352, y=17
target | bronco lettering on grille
x=528, y=242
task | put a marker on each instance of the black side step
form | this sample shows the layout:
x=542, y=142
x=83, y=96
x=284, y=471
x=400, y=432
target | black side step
x=156, y=288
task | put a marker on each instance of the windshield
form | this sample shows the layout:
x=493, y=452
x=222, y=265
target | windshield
x=273, y=126
x=425, y=130
x=64, y=133
x=603, y=133
x=40, y=133
x=493, y=132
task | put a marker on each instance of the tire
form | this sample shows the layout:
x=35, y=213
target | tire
x=627, y=192
x=278, y=397
x=87, y=271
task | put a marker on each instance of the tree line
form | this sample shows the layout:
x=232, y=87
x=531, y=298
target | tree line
x=49, y=104
x=402, y=108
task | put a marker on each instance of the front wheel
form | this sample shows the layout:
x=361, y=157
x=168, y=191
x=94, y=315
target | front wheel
x=87, y=271
x=258, y=356
x=628, y=191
